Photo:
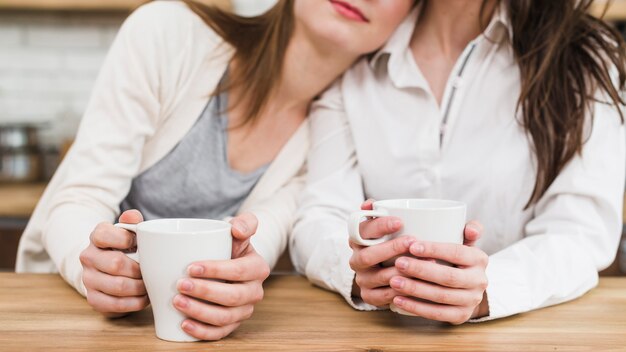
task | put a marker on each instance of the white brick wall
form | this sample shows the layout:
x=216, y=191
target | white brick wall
x=48, y=65
x=49, y=62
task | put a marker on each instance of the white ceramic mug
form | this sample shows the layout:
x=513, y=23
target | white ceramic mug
x=165, y=248
x=431, y=220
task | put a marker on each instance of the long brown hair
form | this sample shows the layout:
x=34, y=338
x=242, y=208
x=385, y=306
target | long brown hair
x=565, y=57
x=260, y=45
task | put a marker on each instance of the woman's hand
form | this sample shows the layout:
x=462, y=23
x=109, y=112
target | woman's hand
x=220, y=295
x=372, y=281
x=113, y=281
x=436, y=291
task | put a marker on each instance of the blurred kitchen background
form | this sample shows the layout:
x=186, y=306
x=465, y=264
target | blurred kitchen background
x=50, y=54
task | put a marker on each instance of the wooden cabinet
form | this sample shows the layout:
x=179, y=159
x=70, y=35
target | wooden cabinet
x=10, y=233
x=17, y=202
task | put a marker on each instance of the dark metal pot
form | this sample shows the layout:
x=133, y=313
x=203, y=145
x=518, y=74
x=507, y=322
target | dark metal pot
x=18, y=136
x=20, y=153
x=20, y=165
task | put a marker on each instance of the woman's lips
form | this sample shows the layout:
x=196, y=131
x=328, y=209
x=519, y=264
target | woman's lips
x=348, y=11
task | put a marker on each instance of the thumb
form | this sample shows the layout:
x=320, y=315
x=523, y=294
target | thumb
x=132, y=216
x=244, y=226
x=473, y=231
x=368, y=204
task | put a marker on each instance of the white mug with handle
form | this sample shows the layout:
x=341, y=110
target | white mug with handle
x=165, y=248
x=431, y=220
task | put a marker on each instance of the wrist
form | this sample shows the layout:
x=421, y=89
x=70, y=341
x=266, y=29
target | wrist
x=482, y=309
x=356, y=290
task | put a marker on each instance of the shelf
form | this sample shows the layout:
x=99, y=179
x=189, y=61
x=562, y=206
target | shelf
x=19, y=200
x=83, y=5
x=616, y=11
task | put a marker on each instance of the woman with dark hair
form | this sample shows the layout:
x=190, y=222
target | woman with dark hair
x=197, y=113
x=512, y=107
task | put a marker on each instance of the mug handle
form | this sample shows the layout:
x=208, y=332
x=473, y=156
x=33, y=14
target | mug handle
x=132, y=228
x=353, y=227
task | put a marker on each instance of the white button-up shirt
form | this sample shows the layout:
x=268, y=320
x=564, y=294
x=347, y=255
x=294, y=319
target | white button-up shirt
x=379, y=133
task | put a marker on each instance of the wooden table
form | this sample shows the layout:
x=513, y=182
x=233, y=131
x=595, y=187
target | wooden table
x=40, y=312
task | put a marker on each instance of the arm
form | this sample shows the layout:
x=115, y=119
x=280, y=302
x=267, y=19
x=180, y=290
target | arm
x=275, y=220
x=319, y=243
x=122, y=114
x=574, y=232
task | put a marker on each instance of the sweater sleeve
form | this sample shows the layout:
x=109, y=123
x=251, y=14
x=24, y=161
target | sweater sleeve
x=276, y=216
x=319, y=244
x=123, y=112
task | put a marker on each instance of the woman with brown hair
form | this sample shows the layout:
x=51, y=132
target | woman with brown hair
x=512, y=107
x=197, y=113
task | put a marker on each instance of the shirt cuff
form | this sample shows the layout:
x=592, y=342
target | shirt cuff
x=329, y=268
x=508, y=292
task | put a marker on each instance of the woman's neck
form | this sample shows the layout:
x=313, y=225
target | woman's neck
x=448, y=26
x=308, y=69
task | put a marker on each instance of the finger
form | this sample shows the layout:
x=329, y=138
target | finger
x=225, y=294
x=248, y=268
x=244, y=226
x=376, y=277
x=110, y=262
x=473, y=231
x=117, y=286
x=436, y=273
x=434, y=293
x=456, y=254
x=104, y=303
x=451, y=314
x=379, y=227
x=379, y=296
x=207, y=332
x=107, y=236
x=368, y=204
x=370, y=256
x=132, y=216
x=212, y=314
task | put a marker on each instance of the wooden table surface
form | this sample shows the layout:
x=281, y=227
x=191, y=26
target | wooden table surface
x=40, y=312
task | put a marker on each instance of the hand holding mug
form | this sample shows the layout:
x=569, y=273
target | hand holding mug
x=434, y=291
x=373, y=280
x=113, y=281
x=219, y=295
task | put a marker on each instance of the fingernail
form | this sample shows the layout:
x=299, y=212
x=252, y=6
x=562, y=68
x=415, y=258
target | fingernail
x=181, y=302
x=399, y=301
x=186, y=285
x=473, y=227
x=402, y=263
x=417, y=248
x=397, y=282
x=394, y=223
x=187, y=326
x=196, y=270
x=409, y=241
x=240, y=226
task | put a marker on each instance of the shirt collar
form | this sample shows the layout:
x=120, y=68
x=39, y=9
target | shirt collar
x=397, y=47
x=400, y=39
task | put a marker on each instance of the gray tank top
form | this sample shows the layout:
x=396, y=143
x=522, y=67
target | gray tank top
x=194, y=180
